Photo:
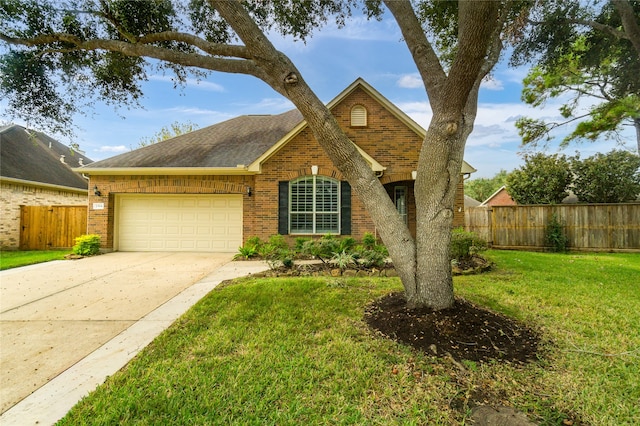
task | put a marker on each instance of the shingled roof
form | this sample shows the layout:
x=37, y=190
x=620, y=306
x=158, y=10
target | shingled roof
x=238, y=141
x=35, y=157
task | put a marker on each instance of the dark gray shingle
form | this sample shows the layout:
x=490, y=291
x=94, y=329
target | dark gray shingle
x=240, y=140
x=34, y=156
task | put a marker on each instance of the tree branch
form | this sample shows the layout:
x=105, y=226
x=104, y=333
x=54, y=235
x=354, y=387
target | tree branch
x=629, y=22
x=237, y=66
x=478, y=22
x=216, y=49
x=425, y=57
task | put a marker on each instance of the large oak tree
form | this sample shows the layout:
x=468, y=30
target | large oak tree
x=58, y=52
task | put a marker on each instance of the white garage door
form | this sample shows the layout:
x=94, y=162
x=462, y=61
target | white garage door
x=179, y=222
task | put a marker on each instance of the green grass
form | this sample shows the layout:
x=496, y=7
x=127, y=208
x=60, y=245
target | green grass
x=295, y=351
x=13, y=259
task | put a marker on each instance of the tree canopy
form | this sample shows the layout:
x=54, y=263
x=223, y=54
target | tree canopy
x=543, y=179
x=592, y=53
x=168, y=132
x=613, y=177
x=482, y=188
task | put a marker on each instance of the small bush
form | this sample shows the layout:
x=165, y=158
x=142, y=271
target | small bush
x=299, y=244
x=554, y=235
x=368, y=258
x=343, y=260
x=465, y=244
x=87, y=245
x=369, y=241
x=246, y=252
x=253, y=241
x=346, y=244
x=323, y=248
x=250, y=249
x=278, y=241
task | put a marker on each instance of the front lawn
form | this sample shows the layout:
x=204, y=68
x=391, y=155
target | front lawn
x=13, y=259
x=296, y=351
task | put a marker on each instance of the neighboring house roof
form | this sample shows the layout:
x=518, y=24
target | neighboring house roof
x=500, y=197
x=236, y=146
x=35, y=158
x=470, y=202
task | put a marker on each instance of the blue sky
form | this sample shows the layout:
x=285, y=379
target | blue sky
x=331, y=60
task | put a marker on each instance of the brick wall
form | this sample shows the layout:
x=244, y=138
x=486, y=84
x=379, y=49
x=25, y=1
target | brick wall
x=502, y=198
x=13, y=195
x=385, y=138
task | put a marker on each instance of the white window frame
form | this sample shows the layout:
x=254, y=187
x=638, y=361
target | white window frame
x=314, y=210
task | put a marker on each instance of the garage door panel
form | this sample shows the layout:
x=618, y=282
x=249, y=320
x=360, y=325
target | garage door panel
x=179, y=222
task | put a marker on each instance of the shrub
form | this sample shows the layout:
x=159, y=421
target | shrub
x=368, y=240
x=368, y=258
x=253, y=241
x=246, y=252
x=322, y=248
x=343, y=260
x=87, y=245
x=299, y=244
x=250, y=249
x=465, y=244
x=346, y=244
x=278, y=241
x=554, y=235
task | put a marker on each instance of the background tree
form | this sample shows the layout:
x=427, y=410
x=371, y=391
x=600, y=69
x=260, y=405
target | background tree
x=543, y=179
x=59, y=52
x=168, y=132
x=482, y=188
x=607, y=178
x=591, y=52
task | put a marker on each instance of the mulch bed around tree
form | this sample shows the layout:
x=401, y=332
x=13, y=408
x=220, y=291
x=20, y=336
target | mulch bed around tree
x=464, y=332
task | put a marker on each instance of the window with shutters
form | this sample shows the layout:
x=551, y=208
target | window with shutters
x=314, y=205
x=358, y=116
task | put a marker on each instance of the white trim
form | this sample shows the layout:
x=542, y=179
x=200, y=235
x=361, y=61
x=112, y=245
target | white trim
x=484, y=203
x=43, y=185
x=172, y=171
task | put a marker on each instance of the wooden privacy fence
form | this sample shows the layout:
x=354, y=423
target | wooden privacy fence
x=588, y=227
x=48, y=227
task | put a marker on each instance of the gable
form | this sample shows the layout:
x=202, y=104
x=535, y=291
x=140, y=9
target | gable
x=385, y=123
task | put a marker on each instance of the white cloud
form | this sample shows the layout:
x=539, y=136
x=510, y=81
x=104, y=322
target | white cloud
x=112, y=149
x=267, y=106
x=492, y=83
x=410, y=81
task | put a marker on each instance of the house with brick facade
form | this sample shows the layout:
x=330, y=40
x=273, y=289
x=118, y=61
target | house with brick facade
x=499, y=198
x=35, y=170
x=211, y=189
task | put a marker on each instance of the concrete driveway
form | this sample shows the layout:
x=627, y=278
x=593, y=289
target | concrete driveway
x=91, y=315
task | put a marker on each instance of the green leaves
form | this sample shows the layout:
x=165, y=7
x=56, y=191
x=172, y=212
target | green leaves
x=607, y=178
x=602, y=178
x=544, y=179
x=482, y=188
x=584, y=55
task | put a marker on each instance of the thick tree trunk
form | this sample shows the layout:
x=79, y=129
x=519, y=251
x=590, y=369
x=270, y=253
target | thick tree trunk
x=423, y=264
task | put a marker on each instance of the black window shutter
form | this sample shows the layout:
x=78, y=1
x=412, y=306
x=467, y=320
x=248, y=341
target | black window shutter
x=345, y=208
x=283, y=208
